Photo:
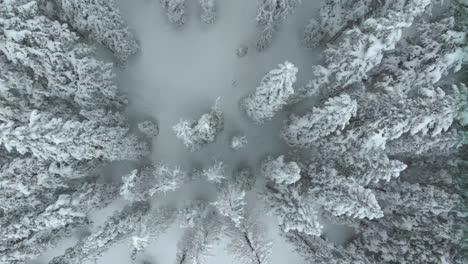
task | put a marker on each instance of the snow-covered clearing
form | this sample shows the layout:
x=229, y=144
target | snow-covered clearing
x=179, y=74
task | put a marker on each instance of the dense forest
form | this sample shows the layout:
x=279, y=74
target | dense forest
x=371, y=139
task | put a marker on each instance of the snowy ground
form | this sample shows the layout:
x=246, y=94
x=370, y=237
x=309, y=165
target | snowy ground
x=180, y=73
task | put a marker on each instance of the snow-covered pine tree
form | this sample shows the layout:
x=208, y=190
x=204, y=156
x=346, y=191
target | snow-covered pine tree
x=363, y=166
x=338, y=16
x=244, y=178
x=316, y=249
x=117, y=228
x=340, y=196
x=460, y=12
x=303, y=131
x=195, y=245
x=281, y=172
x=445, y=172
x=49, y=50
x=335, y=17
x=20, y=95
x=59, y=123
x=144, y=183
x=191, y=213
x=216, y=173
x=43, y=201
x=136, y=223
x=57, y=132
x=230, y=203
x=426, y=145
x=100, y=20
x=195, y=134
x=369, y=167
x=272, y=95
x=175, y=11
x=208, y=11
x=291, y=209
x=47, y=137
x=382, y=119
x=167, y=178
x=270, y=15
x=105, y=117
x=248, y=242
x=430, y=116
x=135, y=185
x=154, y=224
x=419, y=227
x=433, y=51
x=285, y=198
x=401, y=199
x=312, y=34
x=418, y=111
x=362, y=48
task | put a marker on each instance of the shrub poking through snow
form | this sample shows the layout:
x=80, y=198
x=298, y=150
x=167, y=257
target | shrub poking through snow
x=149, y=128
x=242, y=51
x=195, y=134
x=238, y=142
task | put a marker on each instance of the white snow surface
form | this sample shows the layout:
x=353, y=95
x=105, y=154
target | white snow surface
x=180, y=72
